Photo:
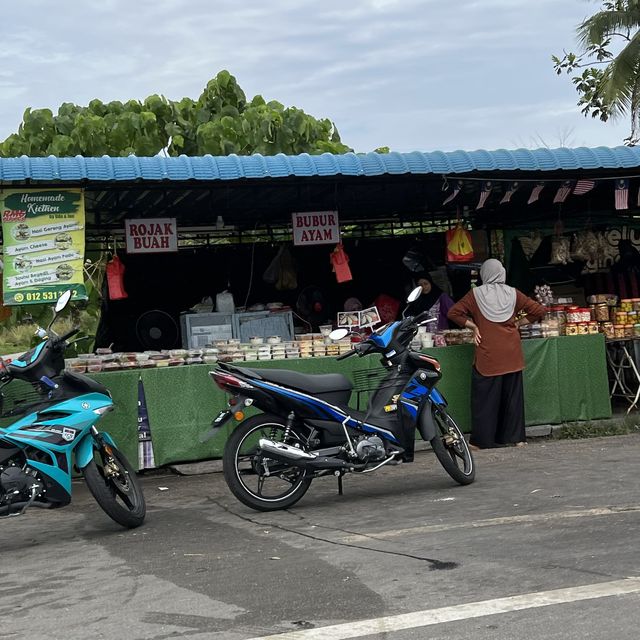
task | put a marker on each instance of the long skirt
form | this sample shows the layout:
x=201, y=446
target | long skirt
x=497, y=408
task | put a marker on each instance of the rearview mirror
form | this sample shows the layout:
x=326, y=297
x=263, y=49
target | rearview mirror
x=339, y=334
x=63, y=301
x=415, y=294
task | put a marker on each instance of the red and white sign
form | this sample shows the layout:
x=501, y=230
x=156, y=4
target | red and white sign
x=151, y=235
x=316, y=227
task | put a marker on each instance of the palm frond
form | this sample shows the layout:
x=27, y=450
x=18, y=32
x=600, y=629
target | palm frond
x=604, y=23
x=623, y=77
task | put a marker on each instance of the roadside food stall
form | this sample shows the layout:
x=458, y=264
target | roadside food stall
x=252, y=259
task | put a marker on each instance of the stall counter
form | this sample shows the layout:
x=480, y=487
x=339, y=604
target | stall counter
x=565, y=380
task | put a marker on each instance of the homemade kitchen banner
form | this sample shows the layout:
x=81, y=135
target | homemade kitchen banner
x=318, y=227
x=43, y=232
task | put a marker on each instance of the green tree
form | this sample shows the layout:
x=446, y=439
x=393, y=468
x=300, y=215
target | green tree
x=220, y=122
x=608, y=83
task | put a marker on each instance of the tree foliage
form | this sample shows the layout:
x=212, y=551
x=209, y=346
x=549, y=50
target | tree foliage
x=220, y=122
x=608, y=83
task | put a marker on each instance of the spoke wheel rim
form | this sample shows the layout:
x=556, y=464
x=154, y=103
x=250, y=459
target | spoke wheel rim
x=288, y=478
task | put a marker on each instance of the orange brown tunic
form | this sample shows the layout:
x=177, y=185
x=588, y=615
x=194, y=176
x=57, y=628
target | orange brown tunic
x=500, y=349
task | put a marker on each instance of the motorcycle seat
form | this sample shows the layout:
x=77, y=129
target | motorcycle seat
x=309, y=383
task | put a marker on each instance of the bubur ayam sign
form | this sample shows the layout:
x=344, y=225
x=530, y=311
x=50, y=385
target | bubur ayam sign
x=318, y=227
x=43, y=238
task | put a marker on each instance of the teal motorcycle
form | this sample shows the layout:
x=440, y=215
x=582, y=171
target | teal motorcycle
x=47, y=423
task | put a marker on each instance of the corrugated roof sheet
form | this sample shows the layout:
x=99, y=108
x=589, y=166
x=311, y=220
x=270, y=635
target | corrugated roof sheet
x=304, y=165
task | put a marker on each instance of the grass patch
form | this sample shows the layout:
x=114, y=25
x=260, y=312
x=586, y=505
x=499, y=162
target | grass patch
x=599, y=429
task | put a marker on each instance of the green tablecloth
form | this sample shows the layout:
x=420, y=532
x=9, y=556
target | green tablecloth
x=565, y=380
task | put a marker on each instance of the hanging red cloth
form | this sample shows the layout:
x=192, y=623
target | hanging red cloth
x=387, y=307
x=340, y=261
x=115, y=279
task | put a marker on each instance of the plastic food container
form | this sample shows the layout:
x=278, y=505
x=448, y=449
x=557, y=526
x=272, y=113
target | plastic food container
x=256, y=340
x=76, y=365
x=194, y=361
x=210, y=359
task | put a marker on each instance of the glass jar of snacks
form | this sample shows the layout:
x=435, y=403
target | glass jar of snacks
x=618, y=331
x=571, y=329
x=636, y=304
x=628, y=331
x=602, y=312
x=607, y=329
x=593, y=327
x=583, y=328
x=626, y=304
x=636, y=330
x=574, y=315
x=621, y=317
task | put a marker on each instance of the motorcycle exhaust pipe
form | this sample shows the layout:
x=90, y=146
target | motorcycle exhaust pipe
x=299, y=458
x=281, y=450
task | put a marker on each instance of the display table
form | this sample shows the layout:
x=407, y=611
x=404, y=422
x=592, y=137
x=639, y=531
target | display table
x=622, y=358
x=565, y=380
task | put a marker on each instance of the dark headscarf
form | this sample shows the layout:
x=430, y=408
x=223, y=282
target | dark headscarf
x=426, y=300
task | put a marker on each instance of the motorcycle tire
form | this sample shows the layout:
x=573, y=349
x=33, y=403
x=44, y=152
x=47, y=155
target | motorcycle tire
x=237, y=479
x=121, y=499
x=452, y=449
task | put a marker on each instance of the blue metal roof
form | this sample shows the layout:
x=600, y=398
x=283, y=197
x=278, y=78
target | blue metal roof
x=234, y=167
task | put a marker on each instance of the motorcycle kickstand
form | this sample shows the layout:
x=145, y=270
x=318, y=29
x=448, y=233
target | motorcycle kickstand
x=340, y=475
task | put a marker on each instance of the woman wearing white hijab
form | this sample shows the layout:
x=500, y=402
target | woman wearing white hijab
x=497, y=403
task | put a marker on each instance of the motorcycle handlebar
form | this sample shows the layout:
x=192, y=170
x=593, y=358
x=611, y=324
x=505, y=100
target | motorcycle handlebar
x=67, y=335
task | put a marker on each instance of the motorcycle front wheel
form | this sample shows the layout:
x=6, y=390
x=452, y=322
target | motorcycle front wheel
x=115, y=486
x=255, y=479
x=452, y=449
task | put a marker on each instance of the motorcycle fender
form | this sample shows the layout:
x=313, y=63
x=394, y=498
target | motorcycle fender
x=426, y=423
x=84, y=451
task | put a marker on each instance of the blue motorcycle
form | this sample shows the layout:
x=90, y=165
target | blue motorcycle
x=47, y=422
x=307, y=428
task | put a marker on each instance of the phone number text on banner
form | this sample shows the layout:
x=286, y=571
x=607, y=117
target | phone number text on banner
x=43, y=232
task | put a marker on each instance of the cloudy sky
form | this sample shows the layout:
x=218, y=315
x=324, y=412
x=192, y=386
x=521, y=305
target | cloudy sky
x=409, y=74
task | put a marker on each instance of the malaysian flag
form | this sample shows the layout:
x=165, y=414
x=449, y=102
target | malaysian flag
x=454, y=193
x=484, y=194
x=583, y=186
x=511, y=189
x=563, y=192
x=535, y=194
x=622, y=194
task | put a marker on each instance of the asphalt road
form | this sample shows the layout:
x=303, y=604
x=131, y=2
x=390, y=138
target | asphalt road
x=543, y=545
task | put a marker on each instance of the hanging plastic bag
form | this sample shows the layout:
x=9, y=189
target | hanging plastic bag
x=459, y=246
x=225, y=302
x=115, y=279
x=340, y=261
x=287, y=278
x=413, y=260
x=560, y=251
x=272, y=272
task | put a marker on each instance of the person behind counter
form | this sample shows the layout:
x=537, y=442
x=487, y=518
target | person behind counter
x=433, y=300
x=497, y=396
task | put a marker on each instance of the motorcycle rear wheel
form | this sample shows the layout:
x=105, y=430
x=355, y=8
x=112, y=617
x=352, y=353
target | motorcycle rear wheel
x=256, y=480
x=116, y=488
x=452, y=449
